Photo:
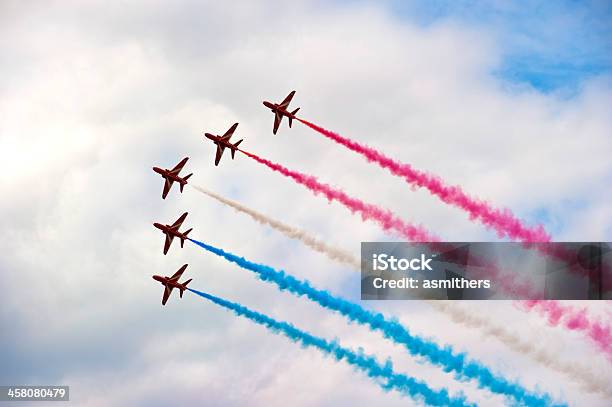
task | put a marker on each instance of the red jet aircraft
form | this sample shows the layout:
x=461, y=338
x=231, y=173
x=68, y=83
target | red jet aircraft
x=172, y=231
x=172, y=282
x=280, y=110
x=173, y=175
x=223, y=141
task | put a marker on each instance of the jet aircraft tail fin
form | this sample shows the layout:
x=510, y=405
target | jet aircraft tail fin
x=235, y=148
x=292, y=116
x=186, y=177
x=185, y=286
x=185, y=233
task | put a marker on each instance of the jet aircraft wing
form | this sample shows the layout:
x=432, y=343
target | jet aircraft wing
x=277, y=121
x=220, y=150
x=179, y=221
x=167, y=186
x=179, y=166
x=167, y=291
x=285, y=103
x=229, y=132
x=169, y=238
x=176, y=276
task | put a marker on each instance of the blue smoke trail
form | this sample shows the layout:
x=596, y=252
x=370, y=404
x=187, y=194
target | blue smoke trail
x=368, y=364
x=445, y=357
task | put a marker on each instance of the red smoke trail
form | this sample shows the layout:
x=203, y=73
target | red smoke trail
x=384, y=218
x=389, y=221
x=502, y=221
x=575, y=320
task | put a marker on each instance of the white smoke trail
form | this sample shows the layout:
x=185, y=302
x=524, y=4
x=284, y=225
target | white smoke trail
x=291, y=232
x=580, y=374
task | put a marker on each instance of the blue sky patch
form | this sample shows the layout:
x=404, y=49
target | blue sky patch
x=548, y=45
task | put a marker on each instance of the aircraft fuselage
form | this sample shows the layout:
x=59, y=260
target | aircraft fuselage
x=168, y=174
x=219, y=140
x=167, y=229
x=166, y=281
x=275, y=108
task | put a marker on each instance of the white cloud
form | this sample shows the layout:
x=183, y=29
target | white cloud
x=94, y=95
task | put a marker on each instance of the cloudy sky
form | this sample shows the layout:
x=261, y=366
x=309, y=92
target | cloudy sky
x=511, y=100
